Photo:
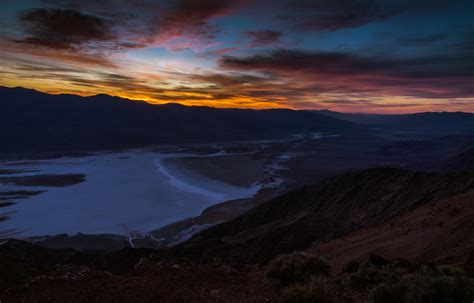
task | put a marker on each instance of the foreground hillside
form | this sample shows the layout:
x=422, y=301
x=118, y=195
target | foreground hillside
x=39, y=122
x=378, y=235
x=324, y=211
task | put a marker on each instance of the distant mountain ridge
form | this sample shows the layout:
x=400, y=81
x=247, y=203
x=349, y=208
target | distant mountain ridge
x=429, y=122
x=32, y=121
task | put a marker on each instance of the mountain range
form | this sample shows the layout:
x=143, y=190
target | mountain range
x=37, y=122
x=438, y=123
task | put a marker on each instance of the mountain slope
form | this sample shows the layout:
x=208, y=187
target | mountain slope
x=439, y=232
x=329, y=209
x=35, y=121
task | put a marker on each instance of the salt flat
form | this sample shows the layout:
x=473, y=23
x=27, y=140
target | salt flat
x=123, y=193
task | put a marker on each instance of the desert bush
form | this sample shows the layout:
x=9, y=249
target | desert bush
x=451, y=271
x=449, y=290
x=401, y=265
x=297, y=293
x=417, y=288
x=297, y=267
x=378, y=261
x=366, y=276
x=351, y=267
x=388, y=294
x=317, y=290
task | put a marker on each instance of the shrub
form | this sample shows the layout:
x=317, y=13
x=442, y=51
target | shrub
x=318, y=290
x=386, y=293
x=351, y=267
x=297, y=294
x=401, y=265
x=297, y=267
x=447, y=270
x=450, y=290
x=365, y=276
x=426, y=289
x=378, y=261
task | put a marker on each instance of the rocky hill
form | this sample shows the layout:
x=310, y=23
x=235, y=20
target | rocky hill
x=324, y=211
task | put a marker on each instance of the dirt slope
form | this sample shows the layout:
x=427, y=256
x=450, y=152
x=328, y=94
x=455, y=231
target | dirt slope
x=441, y=232
x=327, y=210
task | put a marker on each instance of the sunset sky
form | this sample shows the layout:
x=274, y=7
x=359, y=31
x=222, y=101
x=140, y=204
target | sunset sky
x=385, y=56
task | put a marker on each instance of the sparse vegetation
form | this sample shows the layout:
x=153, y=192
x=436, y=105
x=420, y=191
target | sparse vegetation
x=317, y=290
x=439, y=285
x=297, y=267
x=305, y=279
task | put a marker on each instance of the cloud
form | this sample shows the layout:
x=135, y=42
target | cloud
x=185, y=24
x=335, y=14
x=421, y=41
x=436, y=76
x=263, y=37
x=284, y=60
x=218, y=52
x=332, y=15
x=98, y=26
x=63, y=29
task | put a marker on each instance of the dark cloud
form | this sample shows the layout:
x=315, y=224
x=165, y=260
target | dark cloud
x=300, y=61
x=63, y=28
x=421, y=41
x=263, y=37
x=437, y=76
x=218, y=52
x=185, y=23
x=335, y=14
x=176, y=25
x=198, y=11
x=331, y=15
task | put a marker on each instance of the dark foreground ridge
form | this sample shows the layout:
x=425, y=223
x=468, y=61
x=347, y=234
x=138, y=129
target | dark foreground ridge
x=324, y=211
x=378, y=235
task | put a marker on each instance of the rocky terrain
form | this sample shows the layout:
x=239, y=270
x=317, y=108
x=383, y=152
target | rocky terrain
x=362, y=237
x=329, y=209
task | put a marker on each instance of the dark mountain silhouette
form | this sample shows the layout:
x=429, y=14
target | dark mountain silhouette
x=429, y=122
x=326, y=210
x=32, y=121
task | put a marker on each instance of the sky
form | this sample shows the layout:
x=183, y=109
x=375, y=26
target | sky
x=371, y=56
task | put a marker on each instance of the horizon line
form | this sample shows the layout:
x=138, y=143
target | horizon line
x=224, y=108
